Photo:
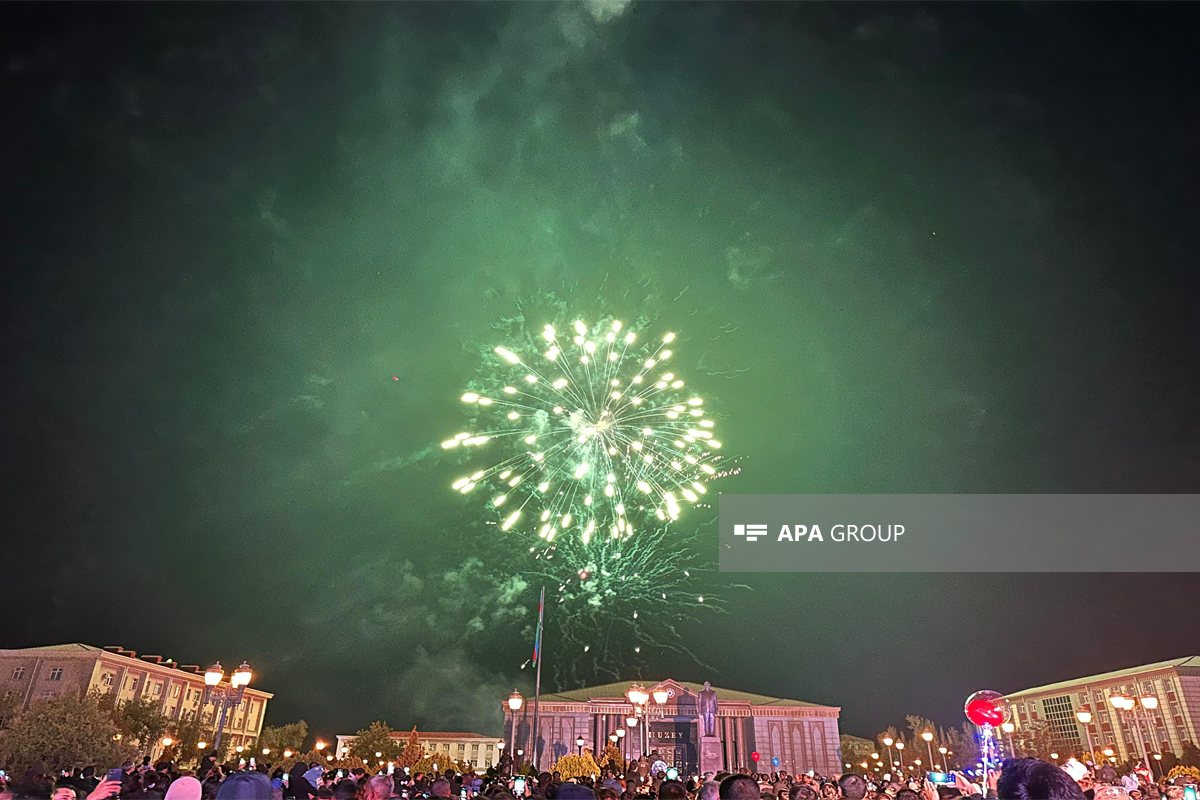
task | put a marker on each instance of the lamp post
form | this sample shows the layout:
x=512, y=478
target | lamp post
x=900, y=748
x=624, y=748
x=945, y=761
x=500, y=758
x=579, y=743
x=1054, y=758
x=223, y=697
x=928, y=737
x=515, y=701
x=638, y=698
x=1150, y=704
x=1085, y=719
x=1008, y=729
x=1158, y=758
x=660, y=703
x=887, y=741
x=1125, y=703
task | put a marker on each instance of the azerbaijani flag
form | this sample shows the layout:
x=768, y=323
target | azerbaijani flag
x=537, y=642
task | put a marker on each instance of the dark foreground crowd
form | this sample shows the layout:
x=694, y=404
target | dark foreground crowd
x=1019, y=779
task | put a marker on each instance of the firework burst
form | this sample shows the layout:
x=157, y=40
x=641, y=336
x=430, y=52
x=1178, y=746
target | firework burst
x=592, y=435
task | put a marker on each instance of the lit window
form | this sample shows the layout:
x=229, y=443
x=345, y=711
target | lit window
x=446, y=747
x=489, y=748
x=462, y=748
x=157, y=689
x=107, y=679
x=175, y=690
x=18, y=673
x=56, y=674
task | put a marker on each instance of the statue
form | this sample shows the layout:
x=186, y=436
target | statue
x=708, y=710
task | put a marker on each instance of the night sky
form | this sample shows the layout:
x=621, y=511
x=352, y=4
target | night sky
x=957, y=243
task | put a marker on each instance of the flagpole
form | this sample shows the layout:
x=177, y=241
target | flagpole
x=537, y=685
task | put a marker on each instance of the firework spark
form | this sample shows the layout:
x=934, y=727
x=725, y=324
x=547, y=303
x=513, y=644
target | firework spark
x=598, y=436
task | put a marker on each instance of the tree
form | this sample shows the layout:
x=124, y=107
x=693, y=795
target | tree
x=9, y=708
x=442, y=762
x=1037, y=740
x=63, y=732
x=1189, y=756
x=285, y=737
x=141, y=722
x=188, y=733
x=576, y=766
x=611, y=757
x=412, y=751
x=375, y=739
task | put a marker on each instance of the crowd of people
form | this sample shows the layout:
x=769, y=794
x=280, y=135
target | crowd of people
x=1019, y=779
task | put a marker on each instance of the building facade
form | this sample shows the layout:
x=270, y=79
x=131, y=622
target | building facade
x=1175, y=684
x=478, y=750
x=32, y=674
x=802, y=736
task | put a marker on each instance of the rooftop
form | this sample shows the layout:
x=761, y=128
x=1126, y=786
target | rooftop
x=616, y=691
x=1186, y=661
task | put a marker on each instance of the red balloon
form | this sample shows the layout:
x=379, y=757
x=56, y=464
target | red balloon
x=984, y=712
x=754, y=755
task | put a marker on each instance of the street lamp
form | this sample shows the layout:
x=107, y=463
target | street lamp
x=223, y=697
x=320, y=745
x=1158, y=758
x=928, y=737
x=515, y=701
x=240, y=749
x=900, y=747
x=1085, y=719
x=580, y=742
x=624, y=747
x=1054, y=758
x=945, y=761
x=266, y=751
x=1149, y=703
x=1008, y=729
x=1128, y=704
x=201, y=745
x=887, y=741
x=287, y=753
x=638, y=697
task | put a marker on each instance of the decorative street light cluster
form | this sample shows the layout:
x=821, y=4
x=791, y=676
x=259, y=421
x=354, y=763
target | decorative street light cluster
x=1122, y=702
x=639, y=698
x=223, y=697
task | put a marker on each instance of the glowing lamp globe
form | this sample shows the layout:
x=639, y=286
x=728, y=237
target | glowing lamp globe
x=985, y=708
x=242, y=676
x=214, y=674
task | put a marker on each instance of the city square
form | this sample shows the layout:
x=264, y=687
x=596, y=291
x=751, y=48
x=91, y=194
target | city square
x=600, y=400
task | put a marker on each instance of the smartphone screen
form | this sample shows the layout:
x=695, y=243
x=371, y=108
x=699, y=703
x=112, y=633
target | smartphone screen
x=463, y=793
x=942, y=778
x=115, y=774
x=1189, y=793
x=519, y=787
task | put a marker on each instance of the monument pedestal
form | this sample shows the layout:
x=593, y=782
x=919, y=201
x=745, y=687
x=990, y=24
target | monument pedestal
x=711, y=759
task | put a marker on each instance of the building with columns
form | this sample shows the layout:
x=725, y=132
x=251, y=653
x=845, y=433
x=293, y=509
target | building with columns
x=32, y=674
x=803, y=736
x=1174, y=685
